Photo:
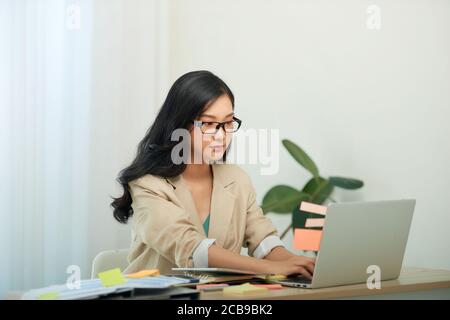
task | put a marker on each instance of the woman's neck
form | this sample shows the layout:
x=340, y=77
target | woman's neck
x=197, y=171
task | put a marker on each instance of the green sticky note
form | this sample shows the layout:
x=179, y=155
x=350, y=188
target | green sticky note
x=48, y=296
x=111, y=277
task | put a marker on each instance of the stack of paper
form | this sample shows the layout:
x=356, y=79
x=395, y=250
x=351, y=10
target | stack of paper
x=109, y=282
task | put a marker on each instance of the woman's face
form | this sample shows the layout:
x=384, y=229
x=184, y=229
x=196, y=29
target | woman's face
x=211, y=147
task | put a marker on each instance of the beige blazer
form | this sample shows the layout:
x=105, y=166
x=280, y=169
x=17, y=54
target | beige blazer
x=167, y=228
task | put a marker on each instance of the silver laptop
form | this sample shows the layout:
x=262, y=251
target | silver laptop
x=357, y=235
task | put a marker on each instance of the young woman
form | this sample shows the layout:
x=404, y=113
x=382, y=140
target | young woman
x=197, y=212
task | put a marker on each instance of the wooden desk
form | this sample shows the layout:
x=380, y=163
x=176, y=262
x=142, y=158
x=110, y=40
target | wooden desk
x=413, y=283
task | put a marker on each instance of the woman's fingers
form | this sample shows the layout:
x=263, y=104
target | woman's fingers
x=305, y=263
x=304, y=272
x=308, y=266
x=312, y=260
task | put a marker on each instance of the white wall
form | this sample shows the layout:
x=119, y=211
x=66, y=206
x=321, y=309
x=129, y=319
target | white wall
x=370, y=104
x=126, y=65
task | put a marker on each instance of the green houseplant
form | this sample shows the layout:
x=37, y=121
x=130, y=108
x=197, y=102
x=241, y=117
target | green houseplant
x=285, y=199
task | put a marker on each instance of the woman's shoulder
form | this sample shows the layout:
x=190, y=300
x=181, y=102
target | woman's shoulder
x=151, y=183
x=228, y=173
x=147, y=179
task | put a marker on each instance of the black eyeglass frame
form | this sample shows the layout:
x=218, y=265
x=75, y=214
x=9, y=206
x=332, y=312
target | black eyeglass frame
x=219, y=125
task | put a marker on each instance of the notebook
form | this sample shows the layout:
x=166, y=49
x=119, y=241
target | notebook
x=219, y=275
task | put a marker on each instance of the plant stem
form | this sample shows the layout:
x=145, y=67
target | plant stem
x=286, y=231
x=320, y=186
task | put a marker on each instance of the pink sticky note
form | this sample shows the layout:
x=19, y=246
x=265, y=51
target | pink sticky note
x=313, y=208
x=306, y=239
x=211, y=286
x=314, y=222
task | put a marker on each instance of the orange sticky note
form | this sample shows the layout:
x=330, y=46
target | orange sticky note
x=313, y=208
x=211, y=286
x=314, y=222
x=143, y=274
x=306, y=239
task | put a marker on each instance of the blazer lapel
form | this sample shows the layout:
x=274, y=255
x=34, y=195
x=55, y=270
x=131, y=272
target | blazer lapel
x=187, y=202
x=222, y=204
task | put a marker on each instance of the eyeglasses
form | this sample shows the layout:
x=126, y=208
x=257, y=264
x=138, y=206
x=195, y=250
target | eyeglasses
x=213, y=127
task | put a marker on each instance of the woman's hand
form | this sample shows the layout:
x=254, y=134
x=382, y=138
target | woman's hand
x=293, y=265
x=288, y=263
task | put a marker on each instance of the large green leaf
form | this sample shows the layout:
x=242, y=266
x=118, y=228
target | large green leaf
x=319, y=189
x=346, y=183
x=301, y=157
x=282, y=199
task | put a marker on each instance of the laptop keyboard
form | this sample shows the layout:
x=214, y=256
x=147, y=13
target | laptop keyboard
x=298, y=280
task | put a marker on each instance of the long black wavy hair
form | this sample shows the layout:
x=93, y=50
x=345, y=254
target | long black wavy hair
x=187, y=99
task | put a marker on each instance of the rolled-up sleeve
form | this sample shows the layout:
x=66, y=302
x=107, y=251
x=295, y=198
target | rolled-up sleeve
x=200, y=255
x=163, y=225
x=258, y=227
x=267, y=245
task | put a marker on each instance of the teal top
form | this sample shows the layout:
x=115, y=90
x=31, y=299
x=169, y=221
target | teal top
x=206, y=224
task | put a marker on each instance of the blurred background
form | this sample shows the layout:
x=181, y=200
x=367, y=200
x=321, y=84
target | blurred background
x=81, y=81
